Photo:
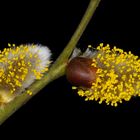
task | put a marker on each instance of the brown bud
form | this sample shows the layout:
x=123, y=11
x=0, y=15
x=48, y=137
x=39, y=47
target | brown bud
x=79, y=72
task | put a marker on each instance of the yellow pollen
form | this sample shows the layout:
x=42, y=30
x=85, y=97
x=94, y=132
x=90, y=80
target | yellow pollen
x=18, y=64
x=29, y=92
x=118, y=76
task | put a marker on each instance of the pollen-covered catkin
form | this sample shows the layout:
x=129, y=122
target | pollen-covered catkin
x=117, y=76
x=20, y=66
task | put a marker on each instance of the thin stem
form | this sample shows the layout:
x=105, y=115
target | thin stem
x=57, y=70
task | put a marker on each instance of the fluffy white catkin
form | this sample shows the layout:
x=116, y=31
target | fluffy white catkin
x=20, y=66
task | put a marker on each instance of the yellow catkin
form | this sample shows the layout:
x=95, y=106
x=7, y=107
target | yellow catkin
x=16, y=65
x=118, y=76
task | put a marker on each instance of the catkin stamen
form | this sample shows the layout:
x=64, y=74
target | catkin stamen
x=20, y=66
x=118, y=76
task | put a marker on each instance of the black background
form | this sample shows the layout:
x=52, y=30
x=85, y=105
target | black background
x=52, y=23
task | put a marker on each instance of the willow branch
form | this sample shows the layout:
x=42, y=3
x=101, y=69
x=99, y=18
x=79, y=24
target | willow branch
x=57, y=70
